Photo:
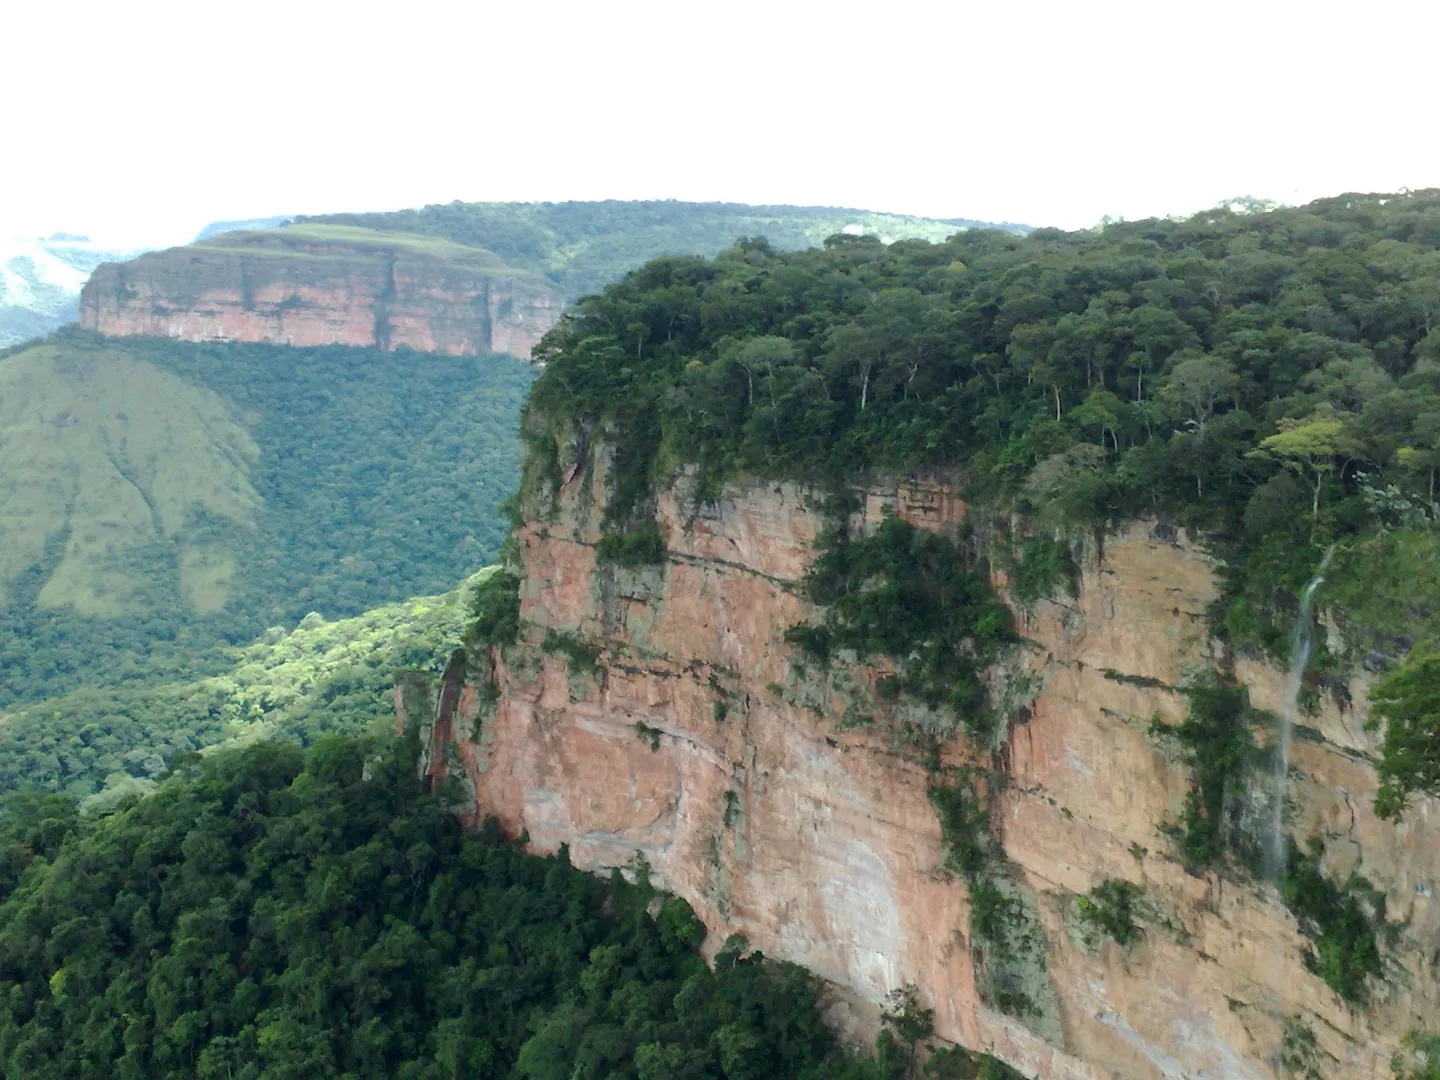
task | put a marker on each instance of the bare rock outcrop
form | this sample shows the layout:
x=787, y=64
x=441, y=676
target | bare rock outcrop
x=701, y=742
x=325, y=285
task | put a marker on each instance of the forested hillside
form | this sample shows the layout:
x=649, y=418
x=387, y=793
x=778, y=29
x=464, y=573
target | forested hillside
x=1269, y=380
x=583, y=246
x=165, y=499
x=269, y=914
x=98, y=743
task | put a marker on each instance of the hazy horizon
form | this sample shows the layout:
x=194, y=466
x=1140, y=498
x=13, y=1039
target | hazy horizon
x=144, y=123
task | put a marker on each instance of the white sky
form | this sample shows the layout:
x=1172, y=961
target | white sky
x=138, y=122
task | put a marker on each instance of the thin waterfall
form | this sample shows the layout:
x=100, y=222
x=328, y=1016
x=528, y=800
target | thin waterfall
x=1301, y=643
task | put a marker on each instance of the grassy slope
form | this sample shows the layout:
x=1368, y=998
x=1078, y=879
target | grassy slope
x=301, y=255
x=584, y=246
x=292, y=241
x=320, y=677
x=110, y=456
x=163, y=499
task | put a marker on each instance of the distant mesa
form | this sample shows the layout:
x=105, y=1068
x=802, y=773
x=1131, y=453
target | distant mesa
x=455, y=278
x=320, y=284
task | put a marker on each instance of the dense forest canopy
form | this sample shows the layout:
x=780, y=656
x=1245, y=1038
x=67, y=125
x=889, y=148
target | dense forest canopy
x=273, y=915
x=372, y=477
x=583, y=246
x=98, y=743
x=1267, y=377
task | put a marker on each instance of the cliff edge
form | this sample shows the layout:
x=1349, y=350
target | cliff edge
x=325, y=285
x=658, y=712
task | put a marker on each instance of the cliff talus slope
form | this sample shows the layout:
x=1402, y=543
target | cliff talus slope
x=324, y=285
x=658, y=711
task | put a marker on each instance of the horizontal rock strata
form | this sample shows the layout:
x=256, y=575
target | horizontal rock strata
x=703, y=745
x=355, y=288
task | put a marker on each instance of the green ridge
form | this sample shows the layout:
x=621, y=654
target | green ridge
x=322, y=242
x=583, y=246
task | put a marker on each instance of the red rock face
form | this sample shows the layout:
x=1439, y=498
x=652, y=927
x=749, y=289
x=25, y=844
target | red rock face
x=332, y=294
x=753, y=791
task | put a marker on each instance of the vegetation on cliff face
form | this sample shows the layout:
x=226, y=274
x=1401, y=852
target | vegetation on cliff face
x=1268, y=379
x=1407, y=699
x=165, y=499
x=1218, y=819
x=1419, y=1059
x=269, y=914
x=494, y=609
x=584, y=246
x=906, y=593
x=1345, y=922
x=1223, y=825
x=909, y=1027
x=1111, y=908
x=1007, y=942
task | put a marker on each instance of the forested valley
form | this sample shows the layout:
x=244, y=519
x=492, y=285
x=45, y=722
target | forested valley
x=298, y=904
x=280, y=482
x=231, y=535
x=96, y=744
x=271, y=913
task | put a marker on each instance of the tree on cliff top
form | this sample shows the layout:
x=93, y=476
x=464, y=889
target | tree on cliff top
x=1249, y=376
x=1307, y=448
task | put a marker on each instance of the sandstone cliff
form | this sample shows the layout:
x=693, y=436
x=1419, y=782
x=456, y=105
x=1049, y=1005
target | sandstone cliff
x=698, y=740
x=324, y=285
